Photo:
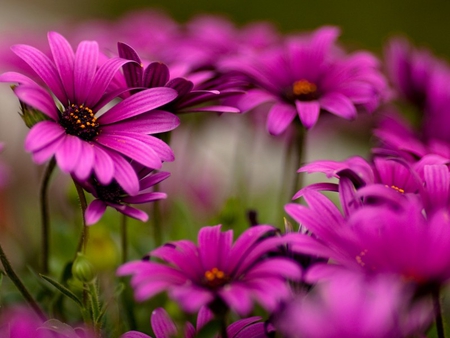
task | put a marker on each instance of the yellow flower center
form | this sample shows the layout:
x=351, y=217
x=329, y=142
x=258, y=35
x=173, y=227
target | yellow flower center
x=400, y=190
x=215, y=278
x=303, y=87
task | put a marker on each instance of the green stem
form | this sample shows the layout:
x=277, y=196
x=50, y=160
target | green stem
x=124, y=238
x=20, y=286
x=295, y=153
x=45, y=219
x=84, y=232
x=438, y=314
x=157, y=227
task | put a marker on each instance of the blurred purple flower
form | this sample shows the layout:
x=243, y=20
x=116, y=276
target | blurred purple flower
x=308, y=74
x=352, y=305
x=217, y=271
x=82, y=141
x=112, y=195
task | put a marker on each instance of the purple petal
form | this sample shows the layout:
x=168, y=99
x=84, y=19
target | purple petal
x=277, y=267
x=316, y=186
x=237, y=297
x=214, y=247
x=144, y=198
x=86, y=163
x=124, y=174
x=182, y=86
x=339, y=105
x=86, y=59
x=134, y=334
x=148, y=290
x=17, y=77
x=133, y=70
x=44, y=67
x=156, y=75
x=64, y=57
x=279, y=118
x=204, y=316
x=131, y=147
x=103, y=166
x=137, y=104
x=43, y=154
x=308, y=112
x=234, y=328
x=68, y=153
x=42, y=134
x=151, y=180
x=94, y=211
x=134, y=213
x=254, y=98
x=102, y=80
x=191, y=298
x=215, y=109
x=153, y=122
x=38, y=98
x=162, y=325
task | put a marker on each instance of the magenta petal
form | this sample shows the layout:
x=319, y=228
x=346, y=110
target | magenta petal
x=134, y=334
x=339, y=105
x=138, y=103
x=191, y=298
x=17, y=77
x=280, y=116
x=94, y=211
x=86, y=59
x=68, y=153
x=308, y=112
x=214, y=247
x=124, y=174
x=150, y=289
x=103, y=166
x=162, y=325
x=42, y=134
x=153, y=122
x=254, y=98
x=134, y=213
x=144, y=198
x=64, y=57
x=151, y=180
x=37, y=98
x=219, y=109
x=86, y=163
x=204, y=316
x=133, y=70
x=131, y=147
x=43, y=154
x=156, y=75
x=44, y=67
x=238, y=298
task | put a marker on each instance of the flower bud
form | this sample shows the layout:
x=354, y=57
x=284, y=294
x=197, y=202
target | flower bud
x=82, y=269
x=30, y=115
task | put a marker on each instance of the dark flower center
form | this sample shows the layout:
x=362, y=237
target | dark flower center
x=109, y=193
x=302, y=90
x=215, y=278
x=80, y=121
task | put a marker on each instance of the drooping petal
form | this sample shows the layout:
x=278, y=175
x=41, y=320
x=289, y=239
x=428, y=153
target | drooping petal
x=308, y=111
x=134, y=334
x=64, y=58
x=162, y=325
x=151, y=180
x=138, y=103
x=68, y=153
x=103, y=166
x=94, y=211
x=44, y=67
x=124, y=174
x=134, y=213
x=86, y=58
x=87, y=157
x=17, y=77
x=237, y=298
x=144, y=198
x=280, y=116
x=39, y=99
x=45, y=153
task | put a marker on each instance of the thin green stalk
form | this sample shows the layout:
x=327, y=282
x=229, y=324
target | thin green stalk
x=295, y=153
x=124, y=238
x=438, y=314
x=45, y=219
x=84, y=232
x=20, y=286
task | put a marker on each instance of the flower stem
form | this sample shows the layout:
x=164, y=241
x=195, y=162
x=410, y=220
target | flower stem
x=295, y=153
x=20, y=286
x=438, y=314
x=157, y=227
x=45, y=219
x=124, y=238
x=84, y=232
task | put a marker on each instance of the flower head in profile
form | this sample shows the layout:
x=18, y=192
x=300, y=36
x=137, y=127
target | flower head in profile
x=112, y=195
x=164, y=327
x=83, y=139
x=217, y=271
x=308, y=74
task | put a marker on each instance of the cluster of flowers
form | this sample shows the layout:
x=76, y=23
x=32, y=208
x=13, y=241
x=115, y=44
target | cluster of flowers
x=374, y=269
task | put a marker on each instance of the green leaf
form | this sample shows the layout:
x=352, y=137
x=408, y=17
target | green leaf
x=63, y=290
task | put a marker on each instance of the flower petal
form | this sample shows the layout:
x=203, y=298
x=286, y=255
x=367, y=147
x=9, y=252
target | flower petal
x=39, y=99
x=103, y=165
x=42, y=134
x=339, y=105
x=86, y=163
x=145, y=198
x=279, y=118
x=156, y=75
x=67, y=155
x=94, y=211
x=134, y=213
x=162, y=325
x=308, y=112
x=86, y=59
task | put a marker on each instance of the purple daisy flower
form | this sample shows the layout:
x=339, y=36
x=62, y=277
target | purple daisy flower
x=157, y=74
x=308, y=74
x=112, y=195
x=217, y=271
x=82, y=139
x=164, y=327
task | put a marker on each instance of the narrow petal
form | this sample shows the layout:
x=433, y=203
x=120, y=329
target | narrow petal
x=131, y=147
x=214, y=247
x=94, y=211
x=17, y=77
x=191, y=298
x=64, y=57
x=156, y=75
x=39, y=99
x=151, y=180
x=339, y=105
x=134, y=334
x=133, y=70
x=153, y=122
x=124, y=174
x=145, y=198
x=181, y=85
x=137, y=104
x=87, y=157
x=276, y=267
x=215, y=109
x=42, y=134
x=204, y=317
x=45, y=153
x=238, y=298
x=162, y=325
x=44, y=67
x=135, y=213
x=280, y=117
x=68, y=153
x=308, y=112
x=86, y=59
x=103, y=166
x=253, y=99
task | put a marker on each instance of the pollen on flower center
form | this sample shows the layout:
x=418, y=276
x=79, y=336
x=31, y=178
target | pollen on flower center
x=304, y=90
x=80, y=121
x=215, y=278
x=400, y=190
